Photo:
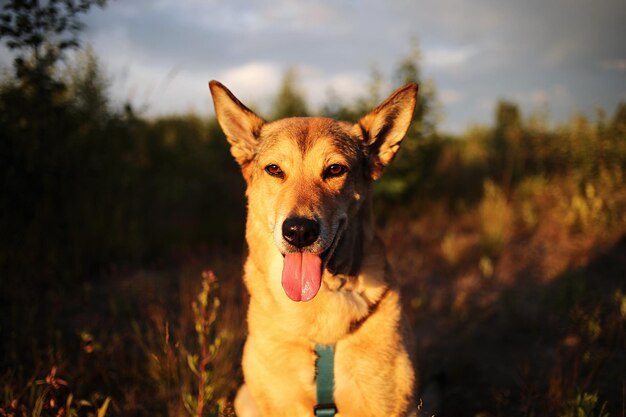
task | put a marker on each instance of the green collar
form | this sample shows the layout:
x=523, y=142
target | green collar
x=324, y=379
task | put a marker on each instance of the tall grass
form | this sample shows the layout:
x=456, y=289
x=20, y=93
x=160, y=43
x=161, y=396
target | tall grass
x=508, y=242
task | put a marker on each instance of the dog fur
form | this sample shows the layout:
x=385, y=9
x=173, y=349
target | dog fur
x=320, y=170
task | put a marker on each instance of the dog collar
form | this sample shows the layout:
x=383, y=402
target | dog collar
x=325, y=381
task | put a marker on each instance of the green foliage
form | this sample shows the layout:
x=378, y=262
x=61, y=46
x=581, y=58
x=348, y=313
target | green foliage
x=205, y=312
x=105, y=186
x=508, y=142
x=289, y=101
x=50, y=397
x=584, y=405
x=88, y=88
x=42, y=28
x=411, y=172
x=407, y=71
x=40, y=32
x=495, y=219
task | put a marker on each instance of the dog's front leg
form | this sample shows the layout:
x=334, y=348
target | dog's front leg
x=280, y=377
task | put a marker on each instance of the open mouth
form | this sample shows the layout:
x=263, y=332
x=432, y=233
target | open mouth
x=302, y=271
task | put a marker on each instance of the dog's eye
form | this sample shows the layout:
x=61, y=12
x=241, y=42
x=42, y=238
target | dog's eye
x=335, y=170
x=275, y=171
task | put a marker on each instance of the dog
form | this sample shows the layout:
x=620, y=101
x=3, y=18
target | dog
x=316, y=271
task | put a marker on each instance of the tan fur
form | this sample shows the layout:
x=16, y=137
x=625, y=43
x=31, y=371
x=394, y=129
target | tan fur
x=357, y=308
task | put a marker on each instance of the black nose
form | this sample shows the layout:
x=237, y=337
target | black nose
x=300, y=232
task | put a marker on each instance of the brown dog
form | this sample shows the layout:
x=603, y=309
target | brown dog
x=316, y=271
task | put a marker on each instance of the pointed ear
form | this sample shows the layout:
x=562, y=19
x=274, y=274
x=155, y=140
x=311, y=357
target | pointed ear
x=240, y=125
x=384, y=127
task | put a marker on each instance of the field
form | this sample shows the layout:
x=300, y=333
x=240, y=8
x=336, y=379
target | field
x=121, y=245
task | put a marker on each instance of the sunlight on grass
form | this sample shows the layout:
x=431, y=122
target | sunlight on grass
x=496, y=219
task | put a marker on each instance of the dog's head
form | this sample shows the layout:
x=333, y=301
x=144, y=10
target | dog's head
x=308, y=177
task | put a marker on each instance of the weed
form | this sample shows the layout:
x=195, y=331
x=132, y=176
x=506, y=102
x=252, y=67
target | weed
x=495, y=219
x=486, y=266
x=50, y=397
x=620, y=299
x=584, y=404
x=586, y=209
x=450, y=248
x=205, y=311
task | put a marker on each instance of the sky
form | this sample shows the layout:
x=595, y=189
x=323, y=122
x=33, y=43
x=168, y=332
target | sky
x=553, y=57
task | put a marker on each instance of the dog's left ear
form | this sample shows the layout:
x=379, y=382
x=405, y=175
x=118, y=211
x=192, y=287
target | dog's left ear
x=384, y=127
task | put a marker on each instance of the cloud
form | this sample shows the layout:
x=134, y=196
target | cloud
x=449, y=96
x=299, y=16
x=255, y=79
x=539, y=97
x=156, y=91
x=6, y=57
x=556, y=94
x=317, y=82
x=618, y=65
x=486, y=103
x=448, y=58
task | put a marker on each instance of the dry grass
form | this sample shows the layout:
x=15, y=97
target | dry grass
x=513, y=281
x=532, y=322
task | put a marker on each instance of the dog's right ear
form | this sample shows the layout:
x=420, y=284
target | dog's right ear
x=240, y=125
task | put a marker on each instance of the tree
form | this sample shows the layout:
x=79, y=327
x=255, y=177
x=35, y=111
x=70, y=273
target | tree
x=336, y=108
x=88, y=86
x=43, y=139
x=40, y=32
x=409, y=71
x=507, y=142
x=507, y=116
x=290, y=100
x=413, y=168
x=619, y=118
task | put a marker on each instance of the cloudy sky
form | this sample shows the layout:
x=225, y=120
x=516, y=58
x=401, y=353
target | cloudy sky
x=559, y=56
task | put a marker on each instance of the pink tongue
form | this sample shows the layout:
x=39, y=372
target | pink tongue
x=302, y=275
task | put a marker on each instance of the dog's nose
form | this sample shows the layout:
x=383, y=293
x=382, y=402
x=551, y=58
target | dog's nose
x=300, y=232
